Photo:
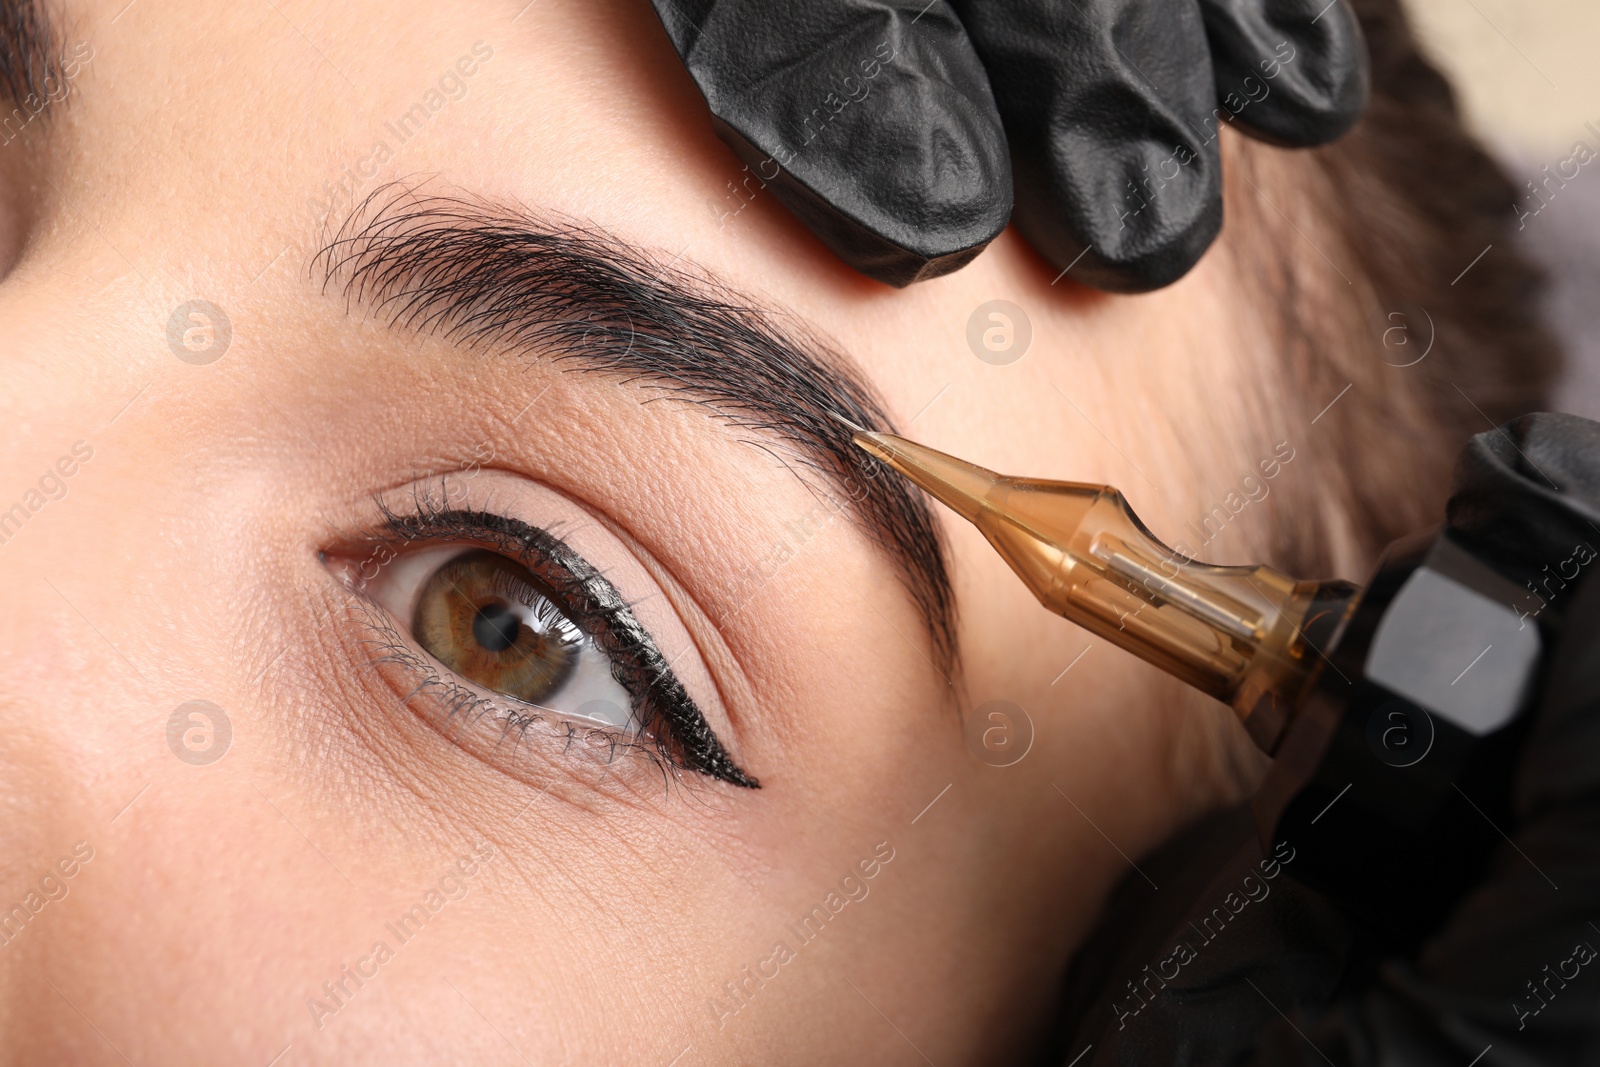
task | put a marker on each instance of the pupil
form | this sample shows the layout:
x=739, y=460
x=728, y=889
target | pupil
x=495, y=627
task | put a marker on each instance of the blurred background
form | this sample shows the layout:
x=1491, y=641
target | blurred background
x=1528, y=76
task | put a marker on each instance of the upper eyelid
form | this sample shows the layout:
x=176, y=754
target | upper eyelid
x=582, y=579
x=703, y=624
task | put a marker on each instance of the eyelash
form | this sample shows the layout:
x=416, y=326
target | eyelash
x=672, y=731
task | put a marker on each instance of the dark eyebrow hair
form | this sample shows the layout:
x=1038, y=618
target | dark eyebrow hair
x=494, y=275
x=27, y=55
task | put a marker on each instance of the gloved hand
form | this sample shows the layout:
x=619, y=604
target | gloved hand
x=895, y=129
x=1273, y=976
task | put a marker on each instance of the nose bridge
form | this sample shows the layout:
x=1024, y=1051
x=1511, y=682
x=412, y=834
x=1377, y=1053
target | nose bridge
x=59, y=677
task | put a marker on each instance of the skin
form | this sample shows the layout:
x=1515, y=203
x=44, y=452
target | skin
x=184, y=563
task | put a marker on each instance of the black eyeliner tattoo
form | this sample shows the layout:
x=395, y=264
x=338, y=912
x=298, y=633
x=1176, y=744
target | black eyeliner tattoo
x=599, y=610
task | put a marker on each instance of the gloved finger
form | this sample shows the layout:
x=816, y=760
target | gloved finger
x=1118, y=177
x=871, y=120
x=1527, y=495
x=1290, y=72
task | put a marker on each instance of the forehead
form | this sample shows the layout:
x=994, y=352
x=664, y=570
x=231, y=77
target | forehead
x=281, y=118
x=253, y=132
x=252, y=135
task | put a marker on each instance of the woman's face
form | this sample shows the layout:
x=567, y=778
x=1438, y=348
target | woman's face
x=280, y=556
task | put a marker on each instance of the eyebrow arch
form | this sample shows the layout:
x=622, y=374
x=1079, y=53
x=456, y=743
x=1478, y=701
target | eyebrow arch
x=494, y=276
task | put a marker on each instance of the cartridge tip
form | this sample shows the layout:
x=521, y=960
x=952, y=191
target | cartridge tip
x=960, y=485
x=847, y=422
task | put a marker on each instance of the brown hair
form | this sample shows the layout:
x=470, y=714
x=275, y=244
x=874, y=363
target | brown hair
x=1399, y=215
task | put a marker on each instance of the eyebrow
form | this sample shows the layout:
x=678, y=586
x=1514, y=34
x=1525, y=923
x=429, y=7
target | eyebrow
x=26, y=52
x=500, y=277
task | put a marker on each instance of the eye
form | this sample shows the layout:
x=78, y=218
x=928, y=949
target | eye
x=496, y=619
x=490, y=620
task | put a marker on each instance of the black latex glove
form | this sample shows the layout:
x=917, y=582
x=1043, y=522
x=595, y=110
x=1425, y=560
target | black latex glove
x=895, y=129
x=1513, y=976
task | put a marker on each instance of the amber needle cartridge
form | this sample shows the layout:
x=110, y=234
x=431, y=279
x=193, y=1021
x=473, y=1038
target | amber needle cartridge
x=1237, y=633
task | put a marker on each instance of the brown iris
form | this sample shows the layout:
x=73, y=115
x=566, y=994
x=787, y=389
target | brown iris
x=491, y=621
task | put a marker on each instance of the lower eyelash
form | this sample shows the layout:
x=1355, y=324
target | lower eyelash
x=454, y=701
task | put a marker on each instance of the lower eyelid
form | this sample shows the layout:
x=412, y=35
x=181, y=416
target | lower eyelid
x=483, y=725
